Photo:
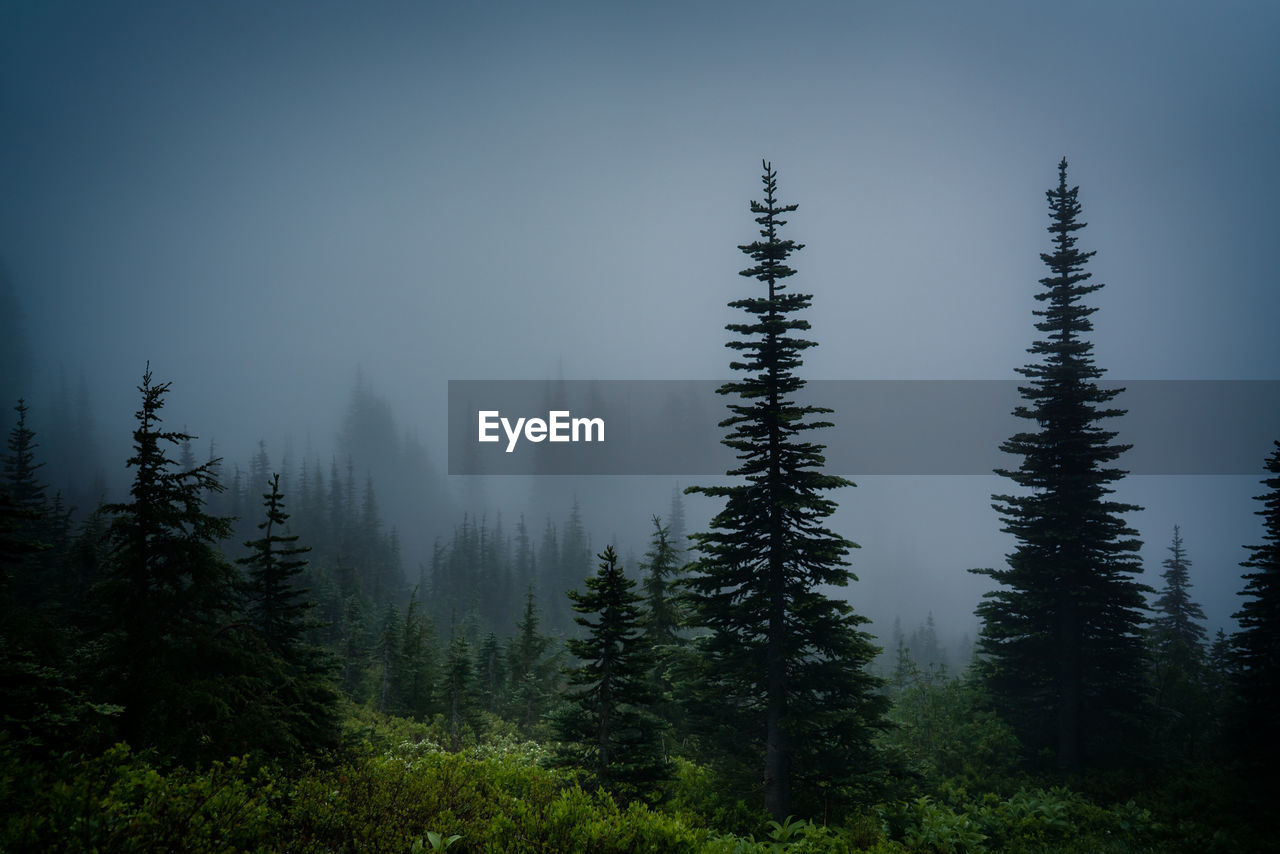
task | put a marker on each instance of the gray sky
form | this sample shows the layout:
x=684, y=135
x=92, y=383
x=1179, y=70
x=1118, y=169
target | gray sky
x=260, y=197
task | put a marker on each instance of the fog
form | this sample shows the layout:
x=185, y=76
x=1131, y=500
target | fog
x=266, y=201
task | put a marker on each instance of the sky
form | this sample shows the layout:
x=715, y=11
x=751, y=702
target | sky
x=262, y=199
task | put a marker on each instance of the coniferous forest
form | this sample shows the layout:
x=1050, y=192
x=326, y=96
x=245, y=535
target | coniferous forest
x=327, y=643
x=184, y=669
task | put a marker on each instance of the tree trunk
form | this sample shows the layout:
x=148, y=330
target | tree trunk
x=1070, y=682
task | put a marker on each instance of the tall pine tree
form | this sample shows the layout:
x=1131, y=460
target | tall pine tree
x=1062, y=635
x=786, y=662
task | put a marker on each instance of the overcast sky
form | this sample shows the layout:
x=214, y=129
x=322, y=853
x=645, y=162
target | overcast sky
x=258, y=197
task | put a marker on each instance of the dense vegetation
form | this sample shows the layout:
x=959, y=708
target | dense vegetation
x=236, y=661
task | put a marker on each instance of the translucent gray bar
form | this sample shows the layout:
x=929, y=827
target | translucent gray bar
x=914, y=427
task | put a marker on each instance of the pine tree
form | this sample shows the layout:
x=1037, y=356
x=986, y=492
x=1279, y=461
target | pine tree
x=26, y=516
x=1178, y=617
x=277, y=609
x=167, y=598
x=1062, y=635
x=606, y=725
x=665, y=613
x=297, y=700
x=419, y=671
x=492, y=672
x=532, y=668
x=1181, y=681
x=787, y=661
x=461, y=703
x=1256, y=647
x=20, y=466
x=41, y=709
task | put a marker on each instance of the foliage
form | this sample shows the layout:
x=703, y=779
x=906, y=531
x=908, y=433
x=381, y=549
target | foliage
x=945, y=731
x=122, y=802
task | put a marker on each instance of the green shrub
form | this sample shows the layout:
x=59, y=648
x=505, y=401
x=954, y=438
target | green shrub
x=119, y=802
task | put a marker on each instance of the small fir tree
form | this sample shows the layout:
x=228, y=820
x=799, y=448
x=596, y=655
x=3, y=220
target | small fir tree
x=606, y=726
x=1178, y=617
x=532, y=667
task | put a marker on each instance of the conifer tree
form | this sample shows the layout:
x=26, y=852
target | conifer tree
x=41, y=709
x=1180, y=676
x=20, y=466
x=492, y=672
x=1256, y=659
x=531, y=666
x=25, y=516
x=786, y=661
x=297, y=698
x=277, y=609
x=1178, y=617
x=419, y=670
x=1062, y=634
x=461, y=703
x=167, y=598
x=606, y=726
x=664, y=608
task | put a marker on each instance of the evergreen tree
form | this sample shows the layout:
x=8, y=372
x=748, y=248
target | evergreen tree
x=1177, y=616
x=419, y=668
x=461, y=702
x=575, y=562
x=606, y=725
x=167, y=598
x=665, y=618
x=277, y=609
x=522, y=561
x=390, y=648
x=41, y=709
x=788, y=661
x=532, y=668
x=1062, y=635
x=20, y=466
x=492, y=672
x=297, y=699
x=1256, y=659
x=1180, y=677
x=27, y=516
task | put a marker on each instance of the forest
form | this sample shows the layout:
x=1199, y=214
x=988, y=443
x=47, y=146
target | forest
x=228, y=657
